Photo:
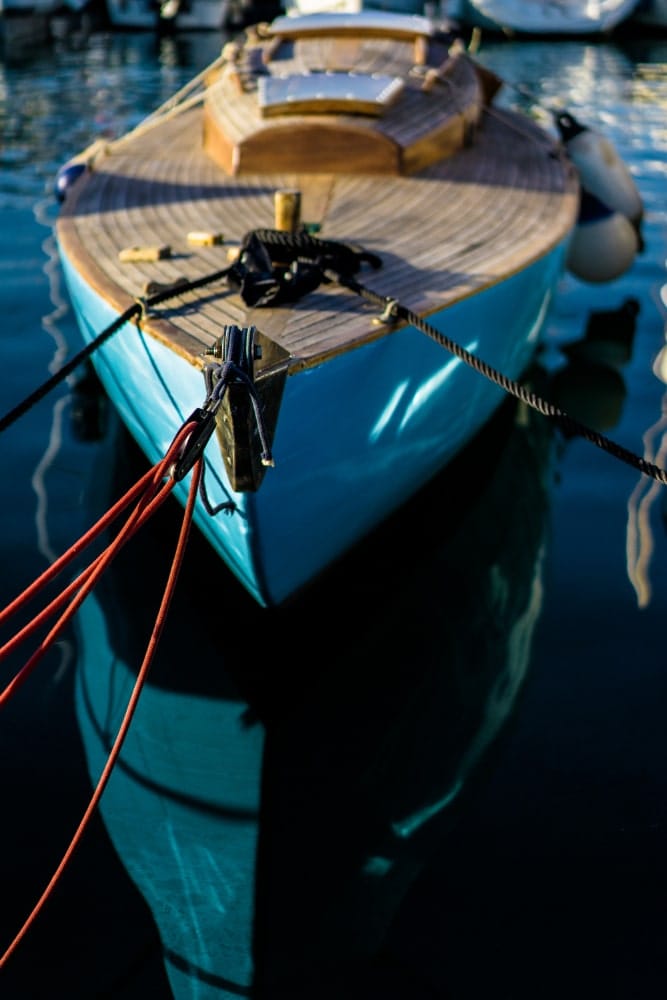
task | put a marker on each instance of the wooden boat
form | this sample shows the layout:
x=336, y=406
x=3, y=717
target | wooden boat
x=326, y=168
x=544, y=17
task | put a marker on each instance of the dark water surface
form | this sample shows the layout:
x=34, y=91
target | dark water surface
x=443, y=773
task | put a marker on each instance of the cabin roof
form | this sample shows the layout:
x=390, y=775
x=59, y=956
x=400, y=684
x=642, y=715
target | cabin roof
x=348, y=103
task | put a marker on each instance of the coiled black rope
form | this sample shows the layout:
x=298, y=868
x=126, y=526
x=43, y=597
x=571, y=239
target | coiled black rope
x=285, y=247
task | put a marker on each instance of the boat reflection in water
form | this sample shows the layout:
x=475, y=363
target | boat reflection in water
x=289, y=773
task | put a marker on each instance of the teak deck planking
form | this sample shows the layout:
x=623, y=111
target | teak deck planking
x=443, y=231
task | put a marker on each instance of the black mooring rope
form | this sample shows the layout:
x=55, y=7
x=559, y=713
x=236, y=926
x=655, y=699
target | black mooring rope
x=67, y=369
x=393, y=309
x=137, y=308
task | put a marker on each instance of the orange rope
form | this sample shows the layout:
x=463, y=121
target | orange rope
x=100, y=563
x=72, y=552
x=84, y=583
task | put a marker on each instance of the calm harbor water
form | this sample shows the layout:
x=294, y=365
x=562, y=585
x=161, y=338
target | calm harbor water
x=445, y=769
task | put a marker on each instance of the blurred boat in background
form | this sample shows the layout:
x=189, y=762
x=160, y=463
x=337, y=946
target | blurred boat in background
x=542, y=17
x=26, y=22
x=151, y=15
x=165, y=16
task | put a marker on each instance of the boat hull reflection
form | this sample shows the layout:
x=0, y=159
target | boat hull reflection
x=290, y=772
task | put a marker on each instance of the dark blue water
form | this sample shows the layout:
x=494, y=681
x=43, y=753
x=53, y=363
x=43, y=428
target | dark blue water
x=453, y=751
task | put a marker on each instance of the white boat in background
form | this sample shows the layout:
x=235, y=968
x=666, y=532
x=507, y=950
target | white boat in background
x=188, y=15
x=543, y=17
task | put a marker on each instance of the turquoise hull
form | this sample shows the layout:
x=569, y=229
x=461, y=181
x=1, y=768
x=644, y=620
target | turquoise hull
x=356, y=437
x=525, y=17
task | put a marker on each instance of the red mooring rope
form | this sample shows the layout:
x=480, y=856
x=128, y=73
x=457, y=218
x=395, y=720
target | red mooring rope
x=153, y=497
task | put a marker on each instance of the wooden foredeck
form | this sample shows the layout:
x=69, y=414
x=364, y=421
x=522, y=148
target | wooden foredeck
x=443, y=232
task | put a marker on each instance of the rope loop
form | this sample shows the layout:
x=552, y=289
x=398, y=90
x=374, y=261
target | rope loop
x=229, y=373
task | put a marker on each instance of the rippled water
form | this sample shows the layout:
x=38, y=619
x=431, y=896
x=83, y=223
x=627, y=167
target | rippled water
x=469, y=713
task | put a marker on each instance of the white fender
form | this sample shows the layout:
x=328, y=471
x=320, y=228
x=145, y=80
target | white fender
x=604, y=243
x=600, y=168
x=660, y=364
x=169, y=9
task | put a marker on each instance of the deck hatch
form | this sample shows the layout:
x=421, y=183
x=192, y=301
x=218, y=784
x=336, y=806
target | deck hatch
x=318, y=93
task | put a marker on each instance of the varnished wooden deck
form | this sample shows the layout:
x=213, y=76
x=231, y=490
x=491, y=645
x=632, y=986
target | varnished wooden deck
x=443, y=233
